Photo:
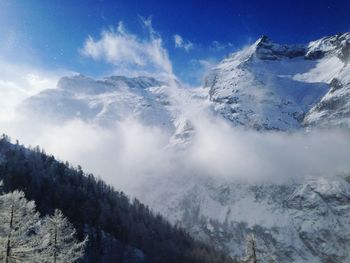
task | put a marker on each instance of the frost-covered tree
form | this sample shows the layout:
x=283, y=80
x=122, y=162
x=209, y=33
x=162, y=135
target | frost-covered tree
x=18, y=218
x=58, y=240
x=24, y=239
x=251, y=250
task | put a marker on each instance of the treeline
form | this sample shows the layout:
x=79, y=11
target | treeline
x=119, y=230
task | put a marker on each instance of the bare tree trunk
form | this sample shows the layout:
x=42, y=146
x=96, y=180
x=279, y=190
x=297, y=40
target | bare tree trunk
x=55, y=247
x=254, y=251
x=8, y=245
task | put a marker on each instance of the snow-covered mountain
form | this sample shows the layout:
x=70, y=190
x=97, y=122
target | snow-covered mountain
x=265, y=86
x=334, y=108
x=272, y=86
x=101, y=101
x=305, y=221
x=114, y=99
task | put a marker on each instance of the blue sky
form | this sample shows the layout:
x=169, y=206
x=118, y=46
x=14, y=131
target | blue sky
x=52, y=34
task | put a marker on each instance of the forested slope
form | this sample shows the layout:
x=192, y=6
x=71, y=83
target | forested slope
x=119, y=230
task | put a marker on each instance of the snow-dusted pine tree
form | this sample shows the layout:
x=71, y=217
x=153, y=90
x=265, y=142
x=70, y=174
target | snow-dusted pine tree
x=18, y=219
x=251, y=250
x=58, y=240
x=255, y=253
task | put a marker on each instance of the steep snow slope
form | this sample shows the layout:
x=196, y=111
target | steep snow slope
x=273, y=86
x=334, y=108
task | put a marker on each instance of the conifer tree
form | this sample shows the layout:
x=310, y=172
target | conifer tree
x=59, y=241
x=251, y=250
x=18, y=220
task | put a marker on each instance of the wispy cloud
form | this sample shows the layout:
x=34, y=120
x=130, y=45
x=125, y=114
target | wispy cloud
x=217, y=45
x=19, y=81
x=181, y=43
x=200, y=68
x=128, y=52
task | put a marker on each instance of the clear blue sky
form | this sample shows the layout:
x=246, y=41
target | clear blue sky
x=50, y=33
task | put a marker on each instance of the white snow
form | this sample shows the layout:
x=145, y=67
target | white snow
x=264, y=86
x=324, y=71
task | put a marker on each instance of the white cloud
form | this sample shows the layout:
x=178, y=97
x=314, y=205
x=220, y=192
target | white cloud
x=218, y=46
x=200, y=68
x=129, y=153
x=181, y=43
x=207, y=64
x=17, y=82
x=128, y=52
x=254, y=156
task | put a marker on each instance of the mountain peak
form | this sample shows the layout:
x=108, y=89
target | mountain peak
x=338, y=44
x=263, y=39
x=83, y=84
x=134, y=82
x=266, y=49
x=68, y=82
